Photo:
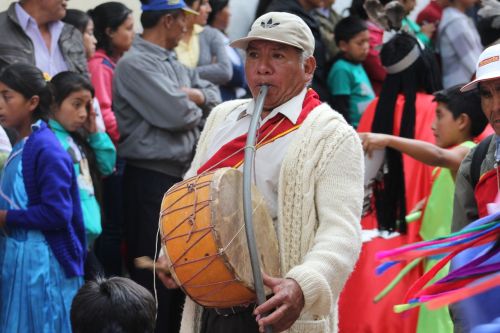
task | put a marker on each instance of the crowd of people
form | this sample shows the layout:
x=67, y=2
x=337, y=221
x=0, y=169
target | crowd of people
x=98, y=122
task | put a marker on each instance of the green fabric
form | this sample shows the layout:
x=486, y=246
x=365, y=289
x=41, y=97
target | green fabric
x=413, y=28
x=105, y=153
x=436, y=222
x=350, y=79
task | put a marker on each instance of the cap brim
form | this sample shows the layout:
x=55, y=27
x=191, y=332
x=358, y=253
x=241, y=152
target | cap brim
x=472, y=85
x=190, y=11
x=242, y=43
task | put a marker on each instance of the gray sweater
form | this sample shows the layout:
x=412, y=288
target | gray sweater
x=214, y=64
x=158, y=123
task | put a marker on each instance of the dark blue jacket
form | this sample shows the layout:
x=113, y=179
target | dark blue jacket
x=53, y=199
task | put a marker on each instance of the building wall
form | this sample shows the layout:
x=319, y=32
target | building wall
x=243, y=11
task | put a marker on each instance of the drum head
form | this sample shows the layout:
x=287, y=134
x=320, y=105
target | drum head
x=227, y=216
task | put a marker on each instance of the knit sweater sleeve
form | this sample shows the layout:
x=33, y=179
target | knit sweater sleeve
x=338, y=193
x=52, y=208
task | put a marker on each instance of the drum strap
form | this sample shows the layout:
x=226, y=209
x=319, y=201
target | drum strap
x=232, y=153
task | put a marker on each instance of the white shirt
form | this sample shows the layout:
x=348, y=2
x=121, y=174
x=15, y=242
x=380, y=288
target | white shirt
x=268, y=158
x=49, y=61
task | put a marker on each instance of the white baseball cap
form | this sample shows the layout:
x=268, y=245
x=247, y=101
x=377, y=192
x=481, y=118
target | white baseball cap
x=282, y=28
x=487, y=68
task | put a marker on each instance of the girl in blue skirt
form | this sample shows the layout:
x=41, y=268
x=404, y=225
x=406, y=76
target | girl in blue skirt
x=42, y=236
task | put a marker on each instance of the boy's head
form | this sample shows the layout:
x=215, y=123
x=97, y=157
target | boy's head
x=458, y=116
x=352, y=38
x=117, y=305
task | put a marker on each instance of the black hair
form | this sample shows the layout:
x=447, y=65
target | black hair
x=29, y=81
x=108, y=15
x=357, y=9
x=65, y=83
x=77, y=18
x=217, y=6
x=423, y=74
x=489, y=32
x=114, y=305
x=468, y=103
x=62, y=85
x=348, y=28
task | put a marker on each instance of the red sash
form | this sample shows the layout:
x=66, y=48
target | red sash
x=232, y=153
x=486, y=191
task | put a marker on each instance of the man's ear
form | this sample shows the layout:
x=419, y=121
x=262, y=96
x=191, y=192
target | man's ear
x=167, y=20
x=310, y=67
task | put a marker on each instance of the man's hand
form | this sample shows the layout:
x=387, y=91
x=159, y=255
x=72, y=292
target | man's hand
x=167, y=279
x=286, y=304
x=195, y=95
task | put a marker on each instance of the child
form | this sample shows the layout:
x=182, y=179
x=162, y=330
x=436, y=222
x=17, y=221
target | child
x=458, y=120
x=113, y=305
x=347, y=80
x=85, y=25
x=92, y=156
x=42, y=237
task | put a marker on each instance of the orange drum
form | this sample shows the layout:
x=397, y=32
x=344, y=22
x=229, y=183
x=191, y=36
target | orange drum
x=203, y=235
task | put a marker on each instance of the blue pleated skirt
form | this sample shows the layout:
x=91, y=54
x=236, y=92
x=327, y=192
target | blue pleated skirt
x=35, y=295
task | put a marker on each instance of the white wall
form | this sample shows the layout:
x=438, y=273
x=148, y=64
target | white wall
x=242, y=11
x=87, y=4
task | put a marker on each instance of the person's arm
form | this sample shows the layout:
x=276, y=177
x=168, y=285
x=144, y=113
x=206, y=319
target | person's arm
x=422, y=151
x=105, y=152
x=211, y=93
x=54, y=180
x=338, y=193
x=155, y=96
x=462, y=42
x=102, y=78
x=220, y=70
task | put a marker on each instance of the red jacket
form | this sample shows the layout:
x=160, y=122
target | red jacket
x=101, y=69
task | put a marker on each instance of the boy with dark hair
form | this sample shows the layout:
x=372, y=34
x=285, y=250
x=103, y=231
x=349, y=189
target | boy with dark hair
x=347, y=80
x=459, y=119
x=115, y=305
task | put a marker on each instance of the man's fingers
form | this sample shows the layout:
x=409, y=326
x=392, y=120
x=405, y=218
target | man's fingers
x=269, y=281
x=269, y=305
x=274, y=317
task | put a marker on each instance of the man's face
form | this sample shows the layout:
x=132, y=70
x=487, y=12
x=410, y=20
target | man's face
x=490, y=102
x=176, y=27
x=280, y=67
x=54, y=10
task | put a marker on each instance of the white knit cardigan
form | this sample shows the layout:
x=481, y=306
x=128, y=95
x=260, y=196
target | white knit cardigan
x=319, y=208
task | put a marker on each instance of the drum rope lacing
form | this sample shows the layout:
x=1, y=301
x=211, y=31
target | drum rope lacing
x=197, y=206
x=162, y=214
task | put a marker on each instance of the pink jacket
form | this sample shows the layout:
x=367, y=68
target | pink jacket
x=101, y=69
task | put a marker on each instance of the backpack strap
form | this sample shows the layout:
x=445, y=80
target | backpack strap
x=478, y=157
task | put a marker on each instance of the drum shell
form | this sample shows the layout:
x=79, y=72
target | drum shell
x=207, y=252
